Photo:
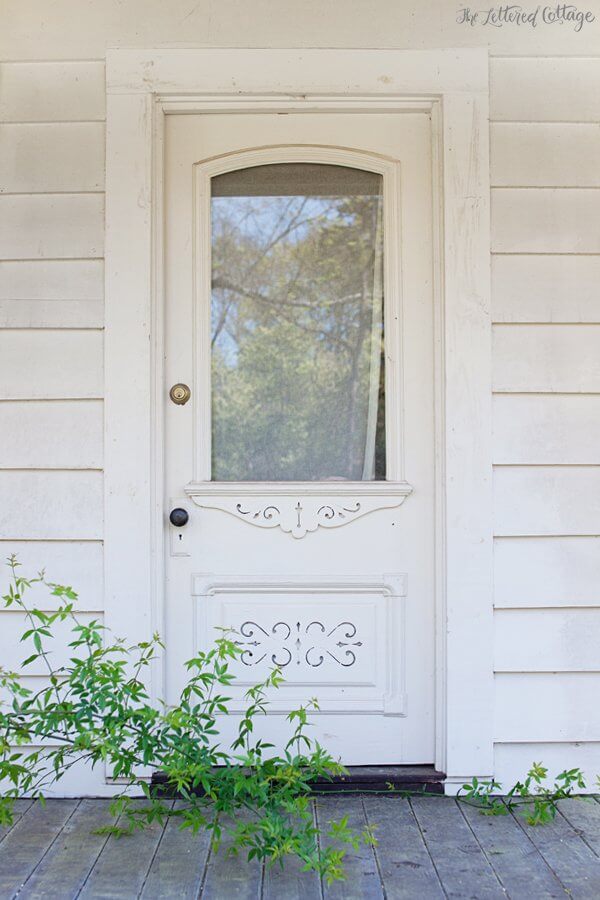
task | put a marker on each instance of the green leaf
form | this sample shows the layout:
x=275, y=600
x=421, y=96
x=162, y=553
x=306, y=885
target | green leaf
x=98, y=707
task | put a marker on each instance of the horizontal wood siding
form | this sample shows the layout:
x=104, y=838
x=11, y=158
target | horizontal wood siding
x=544, y=154
x=51, y=343
x=52, y=226
x=52, y=157
x=71, y=785
x=547, y=706
x=50, y=365
x=545, y=146
x=547, y=640
x=545, y=220
x=51, y=313
x=52, y=92
x=77, y=564
x=52, y=293
x=71, y=279
x=546, y=571
x=546, y=358
x=543, y=288
x=546, y=429
x=61, y=31
x=15, y=623
x=514, y=760
x=58, y=434
x=547, y=89
x=547, y=500
x=50, y=505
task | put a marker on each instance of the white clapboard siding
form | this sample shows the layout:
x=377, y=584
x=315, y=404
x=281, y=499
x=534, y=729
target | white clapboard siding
x=76, y=564
x=546, y=571
x=546, y=428
x=79, y=775
x=546, y=500
x=52, y=157
x=51, y=313
x=56, y=226
x=58, y=434
x=41, y=279
x=546, y=358
x=513, y=761
x=547, y=89
x=50, y=505
x=50, y=364
x=62, y=30
x=79, y=780
x=545, y=288
x=551, y=220
x=545, y=154
x=560, y=706
x=29, y=682
x=13, y=652
x=52, y=91
x=547, y=640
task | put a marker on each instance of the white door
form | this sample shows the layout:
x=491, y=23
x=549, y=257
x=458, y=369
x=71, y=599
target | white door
x=298, y=258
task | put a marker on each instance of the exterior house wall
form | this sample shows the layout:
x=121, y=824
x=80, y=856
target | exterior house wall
x=545, y=142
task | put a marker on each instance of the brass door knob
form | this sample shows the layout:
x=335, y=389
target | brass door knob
x=180, y=394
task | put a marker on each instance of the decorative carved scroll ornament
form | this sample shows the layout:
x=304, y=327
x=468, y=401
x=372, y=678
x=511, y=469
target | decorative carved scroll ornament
x=299, y=512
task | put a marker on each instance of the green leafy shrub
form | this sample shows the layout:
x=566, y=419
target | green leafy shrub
x=537, y=800
x=97, y=709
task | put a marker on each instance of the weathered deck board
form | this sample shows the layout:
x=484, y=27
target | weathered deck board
x=28, y=840
x=121, y=869
x=428, y=848
x=583, y=814
x=362, y=876
x=178, y=866
x=460, y=862
x=62, y=872
x=291, y=882
x=20, y=807
x=577, y=867
x=231, y=876
x=405, y=865
x=518, y=865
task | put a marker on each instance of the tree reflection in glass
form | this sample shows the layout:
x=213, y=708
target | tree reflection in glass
x=297, y=324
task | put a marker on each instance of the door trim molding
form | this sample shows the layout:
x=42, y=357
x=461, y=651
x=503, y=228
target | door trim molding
x=143, y=86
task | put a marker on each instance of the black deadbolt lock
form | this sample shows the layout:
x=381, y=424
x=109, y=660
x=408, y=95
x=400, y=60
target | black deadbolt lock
x=179, y=517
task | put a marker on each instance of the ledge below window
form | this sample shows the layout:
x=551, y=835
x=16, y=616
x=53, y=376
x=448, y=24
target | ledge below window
x=298, y=507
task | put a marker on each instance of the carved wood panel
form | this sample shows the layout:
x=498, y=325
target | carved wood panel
x=338, y=640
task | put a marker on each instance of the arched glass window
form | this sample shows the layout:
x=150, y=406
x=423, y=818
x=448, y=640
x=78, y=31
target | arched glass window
x=297, y=324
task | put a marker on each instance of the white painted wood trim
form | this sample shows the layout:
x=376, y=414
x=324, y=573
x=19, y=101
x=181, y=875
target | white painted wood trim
x=299, y=72
x=340, y=489
x=145, y=85
x=298, y=507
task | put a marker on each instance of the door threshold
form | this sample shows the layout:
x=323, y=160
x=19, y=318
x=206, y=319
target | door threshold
x=357, y=780
x=383, y=780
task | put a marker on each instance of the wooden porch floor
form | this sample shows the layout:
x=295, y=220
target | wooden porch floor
x=429, y=847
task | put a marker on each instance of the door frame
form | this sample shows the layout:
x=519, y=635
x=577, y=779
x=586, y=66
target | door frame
x=143, y=86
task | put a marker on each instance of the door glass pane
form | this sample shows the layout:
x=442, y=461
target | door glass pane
x=297, y=324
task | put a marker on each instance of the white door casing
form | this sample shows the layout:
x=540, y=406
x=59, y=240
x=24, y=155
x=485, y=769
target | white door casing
x=320, y=569
x=146, y=85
